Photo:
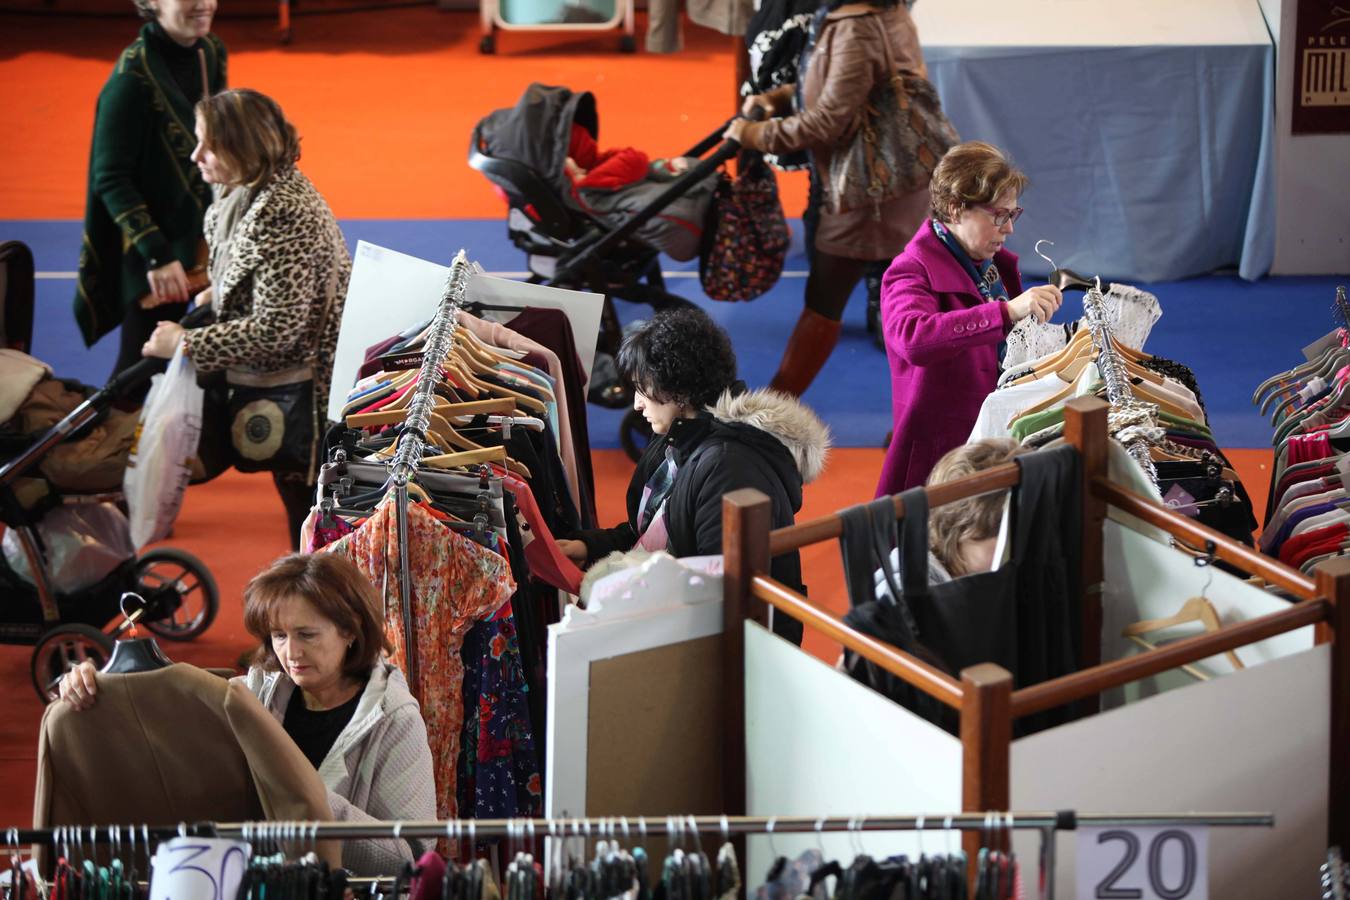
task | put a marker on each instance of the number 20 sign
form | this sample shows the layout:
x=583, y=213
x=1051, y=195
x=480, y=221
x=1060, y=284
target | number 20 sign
x=1166, y=863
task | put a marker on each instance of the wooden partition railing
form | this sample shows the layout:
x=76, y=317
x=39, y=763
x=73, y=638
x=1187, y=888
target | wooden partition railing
x=983, y=696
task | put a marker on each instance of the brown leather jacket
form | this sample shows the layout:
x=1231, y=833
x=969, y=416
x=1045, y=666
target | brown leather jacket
x=848, y=61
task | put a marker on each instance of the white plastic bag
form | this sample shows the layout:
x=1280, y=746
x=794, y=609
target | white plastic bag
x=166, y=441
x=84, y=543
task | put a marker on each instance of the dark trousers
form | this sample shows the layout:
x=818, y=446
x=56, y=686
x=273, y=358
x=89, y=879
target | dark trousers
x=137, y=326
x=831, y=279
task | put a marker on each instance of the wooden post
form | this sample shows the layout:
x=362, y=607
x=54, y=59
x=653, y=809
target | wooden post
x=986, y=746
x=1085, y=428
x=1333, y=583
x=746, y=516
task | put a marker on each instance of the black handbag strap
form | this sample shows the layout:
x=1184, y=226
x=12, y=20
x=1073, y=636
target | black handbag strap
x=855, y=547
x=914, y=543
x=869, y=533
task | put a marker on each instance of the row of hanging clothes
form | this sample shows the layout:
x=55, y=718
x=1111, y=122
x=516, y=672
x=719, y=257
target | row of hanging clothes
x=1308, y=508
x=664, y=862
x=1158, y=411
x=461, y=453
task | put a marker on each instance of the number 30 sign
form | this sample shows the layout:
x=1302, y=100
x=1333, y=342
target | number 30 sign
x=188, y=868
x=1143, y=864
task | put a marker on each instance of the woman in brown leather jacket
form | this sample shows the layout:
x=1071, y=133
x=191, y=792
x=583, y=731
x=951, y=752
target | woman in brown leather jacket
x=845, y=60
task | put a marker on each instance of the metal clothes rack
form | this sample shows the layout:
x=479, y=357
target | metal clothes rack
x=412, y=441
x=996, y=825
x=1139, y=417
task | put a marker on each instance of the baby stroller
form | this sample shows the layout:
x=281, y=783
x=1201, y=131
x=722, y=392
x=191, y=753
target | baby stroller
x=68, y=556
x=613, y=250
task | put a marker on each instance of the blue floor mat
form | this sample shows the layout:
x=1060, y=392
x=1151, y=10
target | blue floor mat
x=1232, y=333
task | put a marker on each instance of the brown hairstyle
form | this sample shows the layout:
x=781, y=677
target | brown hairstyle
x=249, y=133
x=332, y=585
x=974, y=518
x=972, y=174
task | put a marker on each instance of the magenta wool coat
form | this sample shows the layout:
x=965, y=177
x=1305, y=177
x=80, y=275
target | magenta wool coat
x=942, y=341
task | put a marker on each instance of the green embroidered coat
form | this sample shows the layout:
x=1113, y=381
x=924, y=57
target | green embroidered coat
x=146, y=198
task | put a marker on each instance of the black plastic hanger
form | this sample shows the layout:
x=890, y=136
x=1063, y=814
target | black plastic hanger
x=135, y=654
x=1065, y=279
x=1069, y=280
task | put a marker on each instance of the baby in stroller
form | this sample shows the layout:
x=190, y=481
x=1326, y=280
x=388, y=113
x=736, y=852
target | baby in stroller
x=552, y=132
x=613, y=184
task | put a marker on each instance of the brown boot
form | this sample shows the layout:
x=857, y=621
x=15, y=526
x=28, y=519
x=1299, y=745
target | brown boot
x=808, y=348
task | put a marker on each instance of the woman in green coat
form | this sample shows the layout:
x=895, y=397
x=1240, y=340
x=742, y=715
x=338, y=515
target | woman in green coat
x=142, y=254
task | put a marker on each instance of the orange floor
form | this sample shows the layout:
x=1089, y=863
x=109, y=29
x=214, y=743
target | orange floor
x=384, y=101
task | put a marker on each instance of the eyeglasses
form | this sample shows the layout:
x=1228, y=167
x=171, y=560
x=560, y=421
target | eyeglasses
x=1002, y=216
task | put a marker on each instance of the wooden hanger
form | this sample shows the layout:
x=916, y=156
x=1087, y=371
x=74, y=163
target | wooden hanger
x=466, y=458
x=1196, y=609
x=499, y=405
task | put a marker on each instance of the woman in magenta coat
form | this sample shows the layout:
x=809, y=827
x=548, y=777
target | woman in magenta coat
x=945, y=309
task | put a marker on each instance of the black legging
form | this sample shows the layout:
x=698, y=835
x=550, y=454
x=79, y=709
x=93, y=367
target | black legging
x=832, y=278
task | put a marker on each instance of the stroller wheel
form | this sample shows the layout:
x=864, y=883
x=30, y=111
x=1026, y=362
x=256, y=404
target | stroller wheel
x=181, y=596
x=62, y=649
x=634, y=434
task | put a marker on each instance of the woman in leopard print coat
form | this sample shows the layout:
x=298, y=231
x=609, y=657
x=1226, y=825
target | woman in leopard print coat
x=278, y=262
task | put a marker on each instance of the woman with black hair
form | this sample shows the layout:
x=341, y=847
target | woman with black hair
x=712, y=436
x=844, y=60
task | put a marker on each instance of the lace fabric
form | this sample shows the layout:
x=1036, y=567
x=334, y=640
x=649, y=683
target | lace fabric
x=1130, y=312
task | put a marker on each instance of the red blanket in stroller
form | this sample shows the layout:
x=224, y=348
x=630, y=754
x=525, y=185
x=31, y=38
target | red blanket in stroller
x=553, y=131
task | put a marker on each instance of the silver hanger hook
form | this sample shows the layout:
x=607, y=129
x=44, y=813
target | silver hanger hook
x=623, y=820
x=1038, y=252
x=820, y=832
x=642, y=827
x=768, y=829
x=694, y=833
x=726, y=829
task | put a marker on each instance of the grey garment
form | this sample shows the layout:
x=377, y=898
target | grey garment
x=937, y=574
x=231, y=203
x=379, y=768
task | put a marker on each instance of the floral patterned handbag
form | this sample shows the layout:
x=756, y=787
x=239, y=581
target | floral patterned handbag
x=747, y=237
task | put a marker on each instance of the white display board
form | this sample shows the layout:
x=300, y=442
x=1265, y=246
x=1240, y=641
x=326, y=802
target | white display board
x=1254, y=741
x=1146, y=580
x=670, y=602
x=1054, y=23
x=819, y=743
x=390, y=291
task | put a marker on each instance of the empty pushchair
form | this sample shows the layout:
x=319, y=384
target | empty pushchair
x=68, y=556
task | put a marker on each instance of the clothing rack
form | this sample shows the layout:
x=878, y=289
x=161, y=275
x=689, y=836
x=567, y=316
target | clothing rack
x=412, y=441
x=983, y=695
x=995, y=825
x=1138, y=418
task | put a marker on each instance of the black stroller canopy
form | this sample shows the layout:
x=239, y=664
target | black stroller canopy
x=538, y=130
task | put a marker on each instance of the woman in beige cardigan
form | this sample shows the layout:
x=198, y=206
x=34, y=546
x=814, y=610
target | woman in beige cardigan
x=845, y=59
x=320, y=671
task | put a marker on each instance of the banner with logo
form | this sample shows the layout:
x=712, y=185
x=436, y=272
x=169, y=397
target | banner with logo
x=1321, y=101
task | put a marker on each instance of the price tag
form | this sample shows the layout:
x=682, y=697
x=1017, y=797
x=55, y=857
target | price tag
x=1164, y=863
x=187, y=868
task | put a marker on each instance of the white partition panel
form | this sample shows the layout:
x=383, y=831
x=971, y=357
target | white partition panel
x=818, y=742
x=1146, y=580
x=1253, y=741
